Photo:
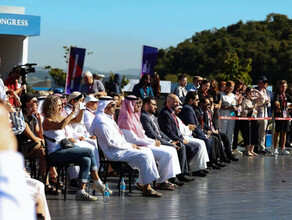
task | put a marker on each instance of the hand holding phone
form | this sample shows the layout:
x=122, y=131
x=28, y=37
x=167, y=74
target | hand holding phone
x=82, y=106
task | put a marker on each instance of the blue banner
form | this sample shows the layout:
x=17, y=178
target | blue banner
x=75, y=68
x=149, y=59
x=16, y=24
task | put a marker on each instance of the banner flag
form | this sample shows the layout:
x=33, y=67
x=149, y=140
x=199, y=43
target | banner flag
x=149, y=59
x=75, y=67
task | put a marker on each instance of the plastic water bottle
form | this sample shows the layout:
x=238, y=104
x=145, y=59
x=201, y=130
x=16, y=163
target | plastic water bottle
x=106, y=195
x=122, y=187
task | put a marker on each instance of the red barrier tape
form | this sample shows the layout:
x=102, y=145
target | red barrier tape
x=254, y=119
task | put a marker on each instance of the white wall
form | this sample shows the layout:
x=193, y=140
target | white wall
x=13, y=51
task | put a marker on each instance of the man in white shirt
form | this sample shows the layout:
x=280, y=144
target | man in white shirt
x=78, y=134
x=89, y=113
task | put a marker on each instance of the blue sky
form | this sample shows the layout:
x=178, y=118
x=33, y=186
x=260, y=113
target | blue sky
x=116, y=30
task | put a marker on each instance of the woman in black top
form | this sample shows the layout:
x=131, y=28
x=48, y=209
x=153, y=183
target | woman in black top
x=217, y=100
x=282, y=107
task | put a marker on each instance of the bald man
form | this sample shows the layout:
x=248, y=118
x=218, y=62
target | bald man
x=169, y=126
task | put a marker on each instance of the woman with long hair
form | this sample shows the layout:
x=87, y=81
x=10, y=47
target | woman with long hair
x=249, y=129
x=53, y=126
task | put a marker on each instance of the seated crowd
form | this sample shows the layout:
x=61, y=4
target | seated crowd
x=187, y=138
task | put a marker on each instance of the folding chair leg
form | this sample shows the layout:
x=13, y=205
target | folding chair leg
x=106, y=170
x=66, y=183
x=59, y=171
x=130, y=181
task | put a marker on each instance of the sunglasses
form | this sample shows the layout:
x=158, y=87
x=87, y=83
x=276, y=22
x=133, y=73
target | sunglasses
x=113, y=105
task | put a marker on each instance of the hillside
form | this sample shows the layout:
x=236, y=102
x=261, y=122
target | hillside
x=268, y=43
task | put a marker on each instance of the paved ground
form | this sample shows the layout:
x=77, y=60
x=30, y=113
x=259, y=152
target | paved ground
x=253, y=188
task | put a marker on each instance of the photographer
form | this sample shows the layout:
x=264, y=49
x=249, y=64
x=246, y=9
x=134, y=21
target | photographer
x=14, y=88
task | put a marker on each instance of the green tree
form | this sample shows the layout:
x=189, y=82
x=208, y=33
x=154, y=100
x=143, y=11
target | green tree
x=235, y=69
x=173, y=77
x=58, y=75
x=268, y=43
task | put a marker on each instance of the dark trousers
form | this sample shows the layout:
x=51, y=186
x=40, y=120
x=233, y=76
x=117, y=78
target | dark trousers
x=191, y=152
x=182, y=156
x=237, y=128
x=225, y=149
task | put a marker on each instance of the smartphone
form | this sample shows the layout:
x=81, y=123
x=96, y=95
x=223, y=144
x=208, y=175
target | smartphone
x=82, y=106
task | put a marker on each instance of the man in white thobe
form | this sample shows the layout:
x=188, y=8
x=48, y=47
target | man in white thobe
x=166, y=157
x=116, y=148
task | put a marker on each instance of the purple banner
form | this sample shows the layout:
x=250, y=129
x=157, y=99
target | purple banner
x=75, y=67
x=149, y=60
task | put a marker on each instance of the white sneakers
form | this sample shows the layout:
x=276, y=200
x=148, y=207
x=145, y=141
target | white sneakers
x=84, y=196
x=281, y=152
x=81, y=195
x=99, y=188
x=284, y=152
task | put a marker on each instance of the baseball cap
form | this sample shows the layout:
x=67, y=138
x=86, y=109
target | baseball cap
x=90, y=98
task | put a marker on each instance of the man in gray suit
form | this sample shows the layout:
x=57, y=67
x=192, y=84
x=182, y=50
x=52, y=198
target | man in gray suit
x=152, y=130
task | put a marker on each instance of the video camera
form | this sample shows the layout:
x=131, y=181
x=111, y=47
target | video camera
x=23, y=70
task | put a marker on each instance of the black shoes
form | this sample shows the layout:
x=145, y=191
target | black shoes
x=176, y=181
x=219, y=164
x=200, y=173
x=185, y=178
x=265, y=152
x=233, y=158
x=215, y=167
x=226, y=160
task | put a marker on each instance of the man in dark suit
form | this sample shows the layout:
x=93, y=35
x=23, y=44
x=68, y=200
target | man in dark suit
x=150, y=123
x=169, y=126
x=188, y=116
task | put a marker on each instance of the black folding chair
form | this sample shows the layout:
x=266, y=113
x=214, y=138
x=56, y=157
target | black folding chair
x=62, y=169
x=122, y=169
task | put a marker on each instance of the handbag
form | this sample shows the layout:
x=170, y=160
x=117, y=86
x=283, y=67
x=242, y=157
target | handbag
x=66, y=144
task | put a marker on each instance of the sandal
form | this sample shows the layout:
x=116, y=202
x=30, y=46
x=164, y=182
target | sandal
x=51, y=190
x=165, y=186
x=53, y=182
x=139, y=187
x=151, y=193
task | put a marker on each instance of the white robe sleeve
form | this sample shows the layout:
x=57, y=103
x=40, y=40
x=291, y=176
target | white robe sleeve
x=107, y=137
x=134, y=139
x=15, y=201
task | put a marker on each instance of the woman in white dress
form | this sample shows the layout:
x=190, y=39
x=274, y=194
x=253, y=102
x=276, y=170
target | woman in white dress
x=228, y=108
x=165, y=157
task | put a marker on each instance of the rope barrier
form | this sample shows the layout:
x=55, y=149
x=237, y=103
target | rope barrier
x=254, y=119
